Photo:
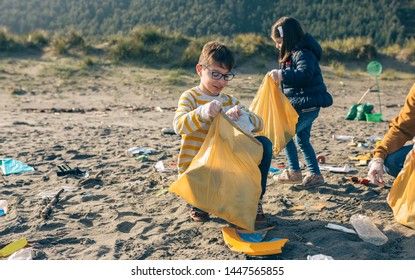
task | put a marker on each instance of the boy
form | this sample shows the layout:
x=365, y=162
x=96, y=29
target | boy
x=199, y=105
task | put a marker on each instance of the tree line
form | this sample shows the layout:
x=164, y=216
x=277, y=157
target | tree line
x=385, y=22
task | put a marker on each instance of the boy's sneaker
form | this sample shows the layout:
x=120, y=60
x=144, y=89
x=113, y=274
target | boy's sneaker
x=311, y=180
x=289, y=177
x=199, y=216
x=260, y=216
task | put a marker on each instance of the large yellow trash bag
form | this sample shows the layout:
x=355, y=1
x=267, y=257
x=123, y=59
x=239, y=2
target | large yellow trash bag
x=224, y=178
x=280, y=117
x=401, y=197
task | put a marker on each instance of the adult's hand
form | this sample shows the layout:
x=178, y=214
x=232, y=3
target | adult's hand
x=375, y=173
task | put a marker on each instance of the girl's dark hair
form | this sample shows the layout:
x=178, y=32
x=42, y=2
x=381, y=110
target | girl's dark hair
x=292, y=34
x=216, y=52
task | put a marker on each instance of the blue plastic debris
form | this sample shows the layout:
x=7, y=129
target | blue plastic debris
x=12, y=166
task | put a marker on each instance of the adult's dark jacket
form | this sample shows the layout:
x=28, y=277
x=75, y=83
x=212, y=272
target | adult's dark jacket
x=302, y=81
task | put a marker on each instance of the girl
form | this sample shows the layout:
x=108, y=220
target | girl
x=302, y=83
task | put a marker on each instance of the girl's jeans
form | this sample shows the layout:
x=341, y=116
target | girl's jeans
x=394, y=162
x=263, y=166
x=302, y=136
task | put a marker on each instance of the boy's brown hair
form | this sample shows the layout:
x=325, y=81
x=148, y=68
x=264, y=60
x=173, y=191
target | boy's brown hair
x=216, y=52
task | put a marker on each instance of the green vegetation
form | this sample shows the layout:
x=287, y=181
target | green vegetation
x=154, y=47
x=384, y=22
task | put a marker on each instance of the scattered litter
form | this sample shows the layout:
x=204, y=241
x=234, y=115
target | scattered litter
x=352, y=144
x=344, y=169
x=66, y=170
x=363, y=181
x=22, y=254
x=13, y=247
x=367, y=230
x=252, y=243
x=363, y=162
x=281, y=165
x=343, y=137
x=340, y=228
x=375, y=139
x=308, y=207
x=46, y=211
x=141, y=158
x=12, y=166
x=163, y=191
x=131, y=152
x=3, y=207
x=159, y=166
x=321, y=159
x=158, y=109
x=319, y=257
x=367, y=156
x=362, y=145
x=275, y=170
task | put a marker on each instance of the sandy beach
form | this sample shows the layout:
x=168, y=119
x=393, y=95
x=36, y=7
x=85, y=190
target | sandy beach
x=54, y=112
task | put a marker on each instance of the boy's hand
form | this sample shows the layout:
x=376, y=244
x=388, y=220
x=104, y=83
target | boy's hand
x=375, y=173
x=234, y=113
x=276, y=75
x=210, y=109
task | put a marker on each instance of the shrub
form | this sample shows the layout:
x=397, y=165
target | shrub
x=8, y=42
x=63, y=43
x=37, y=39
x=349, y=49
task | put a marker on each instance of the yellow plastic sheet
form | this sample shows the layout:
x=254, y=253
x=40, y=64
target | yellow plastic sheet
x=236, y=243
x=279, y=116
x=224, y=178
x=401, y=197
x=13, y=247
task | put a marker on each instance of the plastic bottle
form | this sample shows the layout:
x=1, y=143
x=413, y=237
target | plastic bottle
x=22, y=254
x=3, y=207
x=367, y=230
x=319, y=257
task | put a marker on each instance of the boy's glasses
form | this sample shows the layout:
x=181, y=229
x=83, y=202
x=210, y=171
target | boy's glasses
x=218, y=75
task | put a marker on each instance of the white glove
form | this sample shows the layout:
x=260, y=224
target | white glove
x=375, y=173
x=276, y=75
x=234, y=113
x=210, y=109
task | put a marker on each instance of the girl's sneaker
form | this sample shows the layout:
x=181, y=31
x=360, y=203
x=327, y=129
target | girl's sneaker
x=310, y=181
x=289, y=177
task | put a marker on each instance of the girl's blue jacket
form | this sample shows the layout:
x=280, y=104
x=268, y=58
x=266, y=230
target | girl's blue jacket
x=302, y=79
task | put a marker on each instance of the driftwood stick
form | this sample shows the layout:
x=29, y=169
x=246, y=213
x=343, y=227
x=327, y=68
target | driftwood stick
x=46, y=211
x=363, y=96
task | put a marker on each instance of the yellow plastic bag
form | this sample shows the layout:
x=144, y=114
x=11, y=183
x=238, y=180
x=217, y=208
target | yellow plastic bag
x=279, y=116
x=224, y=178
x=401, y=197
